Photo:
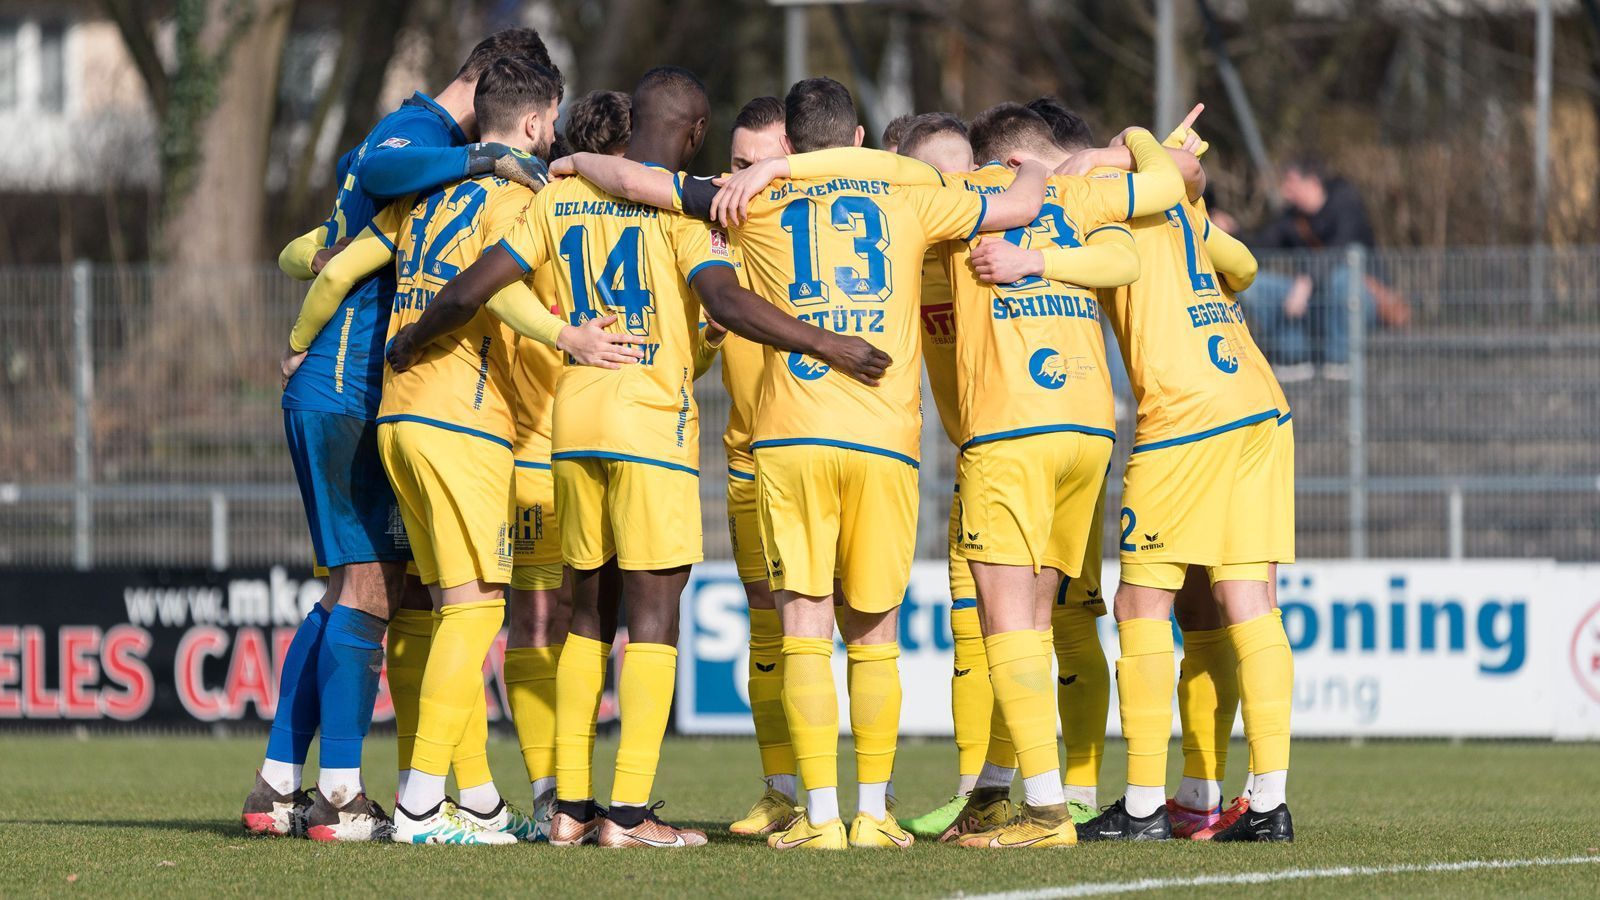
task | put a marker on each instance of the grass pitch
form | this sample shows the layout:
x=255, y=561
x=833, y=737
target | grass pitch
x=159, y=816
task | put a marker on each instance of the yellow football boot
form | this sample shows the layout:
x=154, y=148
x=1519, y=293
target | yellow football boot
x=803, y=835
x=773, y=812
x=1035, y=826
x=986, y=808
x=884, y=833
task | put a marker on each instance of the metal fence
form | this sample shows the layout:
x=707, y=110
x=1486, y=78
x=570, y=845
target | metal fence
x=140, y=419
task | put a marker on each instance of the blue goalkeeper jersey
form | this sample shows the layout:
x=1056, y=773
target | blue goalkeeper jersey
x=417, y=145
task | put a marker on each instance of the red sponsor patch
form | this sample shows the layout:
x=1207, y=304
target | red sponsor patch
x=719, y=242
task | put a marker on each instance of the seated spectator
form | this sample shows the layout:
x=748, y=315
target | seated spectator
x=1304, y=320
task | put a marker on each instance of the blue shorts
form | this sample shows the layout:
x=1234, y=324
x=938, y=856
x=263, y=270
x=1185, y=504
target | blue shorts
x=350, y=506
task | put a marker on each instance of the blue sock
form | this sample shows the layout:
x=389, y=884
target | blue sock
x=295, y=722
x=347, y=679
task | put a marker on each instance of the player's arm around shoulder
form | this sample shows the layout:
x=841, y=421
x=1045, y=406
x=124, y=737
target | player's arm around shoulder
x=649, y=185
x=750, y=316
x=370, y=251
x=298, y=259
x=1018, y=205
x=1107, y=259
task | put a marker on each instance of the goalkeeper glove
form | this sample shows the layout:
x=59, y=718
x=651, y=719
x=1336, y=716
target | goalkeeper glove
x=508, y=163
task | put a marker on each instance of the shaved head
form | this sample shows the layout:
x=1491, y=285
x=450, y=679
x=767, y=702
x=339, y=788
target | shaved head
x=669, y=115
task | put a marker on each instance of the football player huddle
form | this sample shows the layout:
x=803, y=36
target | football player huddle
x=489, y=400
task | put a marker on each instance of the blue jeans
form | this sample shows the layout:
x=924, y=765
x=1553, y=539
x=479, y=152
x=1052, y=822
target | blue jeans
x=1322, y=334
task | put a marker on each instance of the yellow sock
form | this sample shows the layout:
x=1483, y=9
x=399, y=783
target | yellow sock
x=1266, y=683
x=1001, y=751
x=1019, y=668
x=766, y=693
x=649, y=673
x=530, y=676
x=812, y=709
x=1144, y=692
x=1083, y=693
x=452, y=684
x=1208, y=698
x=471, y=757
x=410, y=636
x=875, y=709
x=971, y=695
x=580, y=680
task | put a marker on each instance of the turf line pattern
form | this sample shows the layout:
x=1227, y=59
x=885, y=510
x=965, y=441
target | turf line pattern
x=1103, y=888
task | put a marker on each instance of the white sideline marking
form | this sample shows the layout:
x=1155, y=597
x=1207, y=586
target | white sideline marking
x=1102, y=888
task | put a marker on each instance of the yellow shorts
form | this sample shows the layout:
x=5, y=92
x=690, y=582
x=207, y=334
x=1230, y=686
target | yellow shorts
x=963, y=593
x=1084, y=589
x=832, y=509
x=1210, y=502
x=1280, y=512
x=744, y=527
x=646, y=515
x=456, y=498
x=535, y=533
x=1029, y=501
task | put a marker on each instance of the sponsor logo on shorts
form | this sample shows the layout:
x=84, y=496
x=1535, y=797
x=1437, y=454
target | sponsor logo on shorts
x=766, y=667
x=804, y=367
x=397, y=529
x=969, y=540
x=1152, y=541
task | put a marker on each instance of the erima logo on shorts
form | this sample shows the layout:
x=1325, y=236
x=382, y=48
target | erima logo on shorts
x=804, y=367
x=1222, y=354
x=1152, y=541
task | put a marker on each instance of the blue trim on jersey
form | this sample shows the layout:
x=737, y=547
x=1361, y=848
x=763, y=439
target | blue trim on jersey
x=992, y=162
x=1285, y=417
x=1064, y=427
x=983, y=210
x=623, y=457
x=448, y=426
x=710, y=262
x=525, y=464
x=1208, y=433
x=384, y=239
x=1206, y=232
x=1130, y=195
x=742, y=476
x=826, y=442
x=1111, y=227
x=961, y=603
x=506, y=246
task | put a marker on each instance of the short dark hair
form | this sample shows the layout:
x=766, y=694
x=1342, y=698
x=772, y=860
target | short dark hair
x=511, y=88
x=524, y=42
x=894, y=133
x=1001, y=130
x=1068, y=128
x=599, y=122
x=667, y=95
x=928, y=126
x=1309, y=165
x=818, y=113
x=762, y=112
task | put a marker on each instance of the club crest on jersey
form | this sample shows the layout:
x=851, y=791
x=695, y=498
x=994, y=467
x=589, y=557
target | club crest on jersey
x=719, y=242
x=1047, y=369
x=1222, y=354
x=804, y=367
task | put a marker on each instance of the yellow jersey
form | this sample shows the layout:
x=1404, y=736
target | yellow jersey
x=534, y=376
x=939, y=343
x=1184, y=341
x=612, y=256
x=462, y=381
x=1031, y=358
x=846, y=254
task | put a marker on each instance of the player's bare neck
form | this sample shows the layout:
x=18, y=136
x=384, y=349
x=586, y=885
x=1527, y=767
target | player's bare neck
x=456, y=99
x=662, y=150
